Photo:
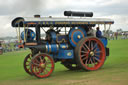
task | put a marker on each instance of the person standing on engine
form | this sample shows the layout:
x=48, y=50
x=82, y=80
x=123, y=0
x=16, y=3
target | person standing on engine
x=98, y=33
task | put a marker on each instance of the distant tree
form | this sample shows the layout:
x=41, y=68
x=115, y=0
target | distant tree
x=107, y=32
x=1, y=38
x=110, y=31
x=119, y=30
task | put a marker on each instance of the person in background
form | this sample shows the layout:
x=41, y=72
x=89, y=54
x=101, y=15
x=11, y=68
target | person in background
x=1, y=49
x=98, y=33
x=116, y=35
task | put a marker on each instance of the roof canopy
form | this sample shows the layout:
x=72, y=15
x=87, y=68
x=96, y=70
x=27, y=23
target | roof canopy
x=58, y=21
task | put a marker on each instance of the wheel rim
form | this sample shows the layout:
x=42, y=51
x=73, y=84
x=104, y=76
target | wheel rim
x=27, y=62
x=42, y=65
x=92, y=54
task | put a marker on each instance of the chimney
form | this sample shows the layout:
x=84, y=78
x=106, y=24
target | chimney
x=37, y=16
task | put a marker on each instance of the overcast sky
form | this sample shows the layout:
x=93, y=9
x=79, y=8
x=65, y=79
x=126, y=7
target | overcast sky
x=9, y=9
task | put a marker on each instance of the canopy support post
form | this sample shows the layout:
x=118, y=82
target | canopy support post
x=19, y=33
x=38, y=33
x=109, y=26
x=65, y=30
x=99, y=25
x=24, y=34
x=43, y=29
x=105, y=30
x=108, y=31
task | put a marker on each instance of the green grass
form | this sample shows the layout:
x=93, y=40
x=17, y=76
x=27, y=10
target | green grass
x=114, y=71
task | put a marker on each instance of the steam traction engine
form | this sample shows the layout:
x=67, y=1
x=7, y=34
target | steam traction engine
x=67, y=40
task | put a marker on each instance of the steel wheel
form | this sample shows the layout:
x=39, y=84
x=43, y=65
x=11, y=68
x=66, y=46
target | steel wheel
x=90, y=53
x=27, y=62
x=42, y=65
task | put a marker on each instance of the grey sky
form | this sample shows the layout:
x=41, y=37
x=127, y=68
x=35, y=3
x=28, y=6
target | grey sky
x=9, y=9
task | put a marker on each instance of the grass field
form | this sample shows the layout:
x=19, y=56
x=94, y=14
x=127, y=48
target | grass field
x=114, y=71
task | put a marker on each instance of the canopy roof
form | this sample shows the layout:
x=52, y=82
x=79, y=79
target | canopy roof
x=58, y=21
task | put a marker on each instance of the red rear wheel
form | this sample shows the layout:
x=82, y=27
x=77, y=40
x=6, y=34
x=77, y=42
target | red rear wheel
x=42, y=65
x=90, y=53
x=27, y=62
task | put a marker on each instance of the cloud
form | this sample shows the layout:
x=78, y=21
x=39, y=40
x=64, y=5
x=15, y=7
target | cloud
x=115, y=9
x=5, y=27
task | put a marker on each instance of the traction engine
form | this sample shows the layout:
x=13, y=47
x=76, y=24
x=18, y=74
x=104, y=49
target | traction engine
x=66, y=40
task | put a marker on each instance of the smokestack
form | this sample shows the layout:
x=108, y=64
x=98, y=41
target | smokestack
x=78, y=14
x=37, y=16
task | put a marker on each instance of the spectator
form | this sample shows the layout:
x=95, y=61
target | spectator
x=116, y=35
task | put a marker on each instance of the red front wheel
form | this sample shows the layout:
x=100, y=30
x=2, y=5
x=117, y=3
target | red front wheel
x=42, y=65
x=90, y=53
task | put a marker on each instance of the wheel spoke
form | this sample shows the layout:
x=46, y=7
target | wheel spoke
x=48, y=62
x=97, y=55
x=91, y=61
x=94, y=60
x=89, y=43
x=85, y=58
x=35, y=64
x=37, y=61
x=97, y=59
x=43, y=60
x=40, y=59
x=38, y=70
x=46, y=70
x=94, y=46
x=86, y=47
x=95, y=49
x=86, y=62
x=84, y=52
x=82, y=56
x=98, y=52
x=35, y=69
x=43, y=72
